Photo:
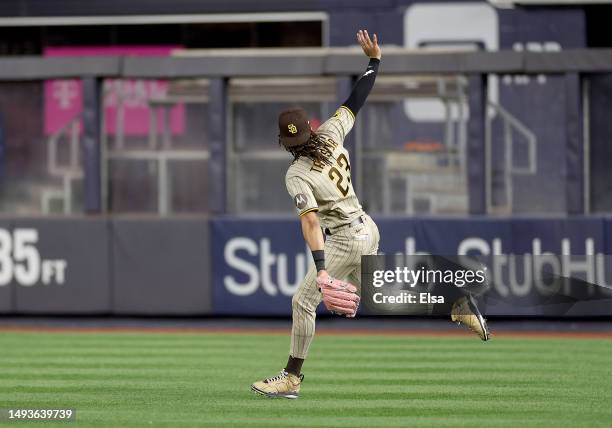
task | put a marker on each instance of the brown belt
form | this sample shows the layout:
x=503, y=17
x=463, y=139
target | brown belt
x=359, y=220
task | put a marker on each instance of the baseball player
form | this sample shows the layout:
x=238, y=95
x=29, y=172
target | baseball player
x=319, y=181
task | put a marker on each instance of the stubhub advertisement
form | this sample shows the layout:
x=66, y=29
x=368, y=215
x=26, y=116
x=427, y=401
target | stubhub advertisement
x=258, y=264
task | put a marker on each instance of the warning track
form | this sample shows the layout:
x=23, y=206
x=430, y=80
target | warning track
x=456, y=332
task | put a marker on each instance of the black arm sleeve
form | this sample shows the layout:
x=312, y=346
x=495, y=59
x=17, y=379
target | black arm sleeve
x=362, y=88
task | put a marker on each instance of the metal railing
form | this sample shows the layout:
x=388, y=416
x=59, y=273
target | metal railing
x=510, y=125
x=161, y=152
x=67, y=173
x=164, y=178
x=421, y=172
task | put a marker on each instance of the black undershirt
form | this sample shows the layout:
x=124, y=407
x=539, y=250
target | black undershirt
x=362, y=88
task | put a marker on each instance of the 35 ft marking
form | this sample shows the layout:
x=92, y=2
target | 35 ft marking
x=20, y=260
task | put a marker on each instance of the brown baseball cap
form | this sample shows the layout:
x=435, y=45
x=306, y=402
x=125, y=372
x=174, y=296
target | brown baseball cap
x=294, y=127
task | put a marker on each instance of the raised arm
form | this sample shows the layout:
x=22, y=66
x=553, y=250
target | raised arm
x=364, y=85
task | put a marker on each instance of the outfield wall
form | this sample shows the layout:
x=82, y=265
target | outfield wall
x=238, y=266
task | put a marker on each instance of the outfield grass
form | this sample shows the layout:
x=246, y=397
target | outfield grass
x=132, y=379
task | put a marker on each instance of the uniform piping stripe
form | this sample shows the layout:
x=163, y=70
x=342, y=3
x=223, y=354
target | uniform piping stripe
x=349, y=110
x=309, y=211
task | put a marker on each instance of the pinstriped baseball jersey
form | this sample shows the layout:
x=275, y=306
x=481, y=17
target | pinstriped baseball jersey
x=327, y=188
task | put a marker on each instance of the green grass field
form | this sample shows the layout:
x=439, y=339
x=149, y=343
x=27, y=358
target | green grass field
x=133, y=379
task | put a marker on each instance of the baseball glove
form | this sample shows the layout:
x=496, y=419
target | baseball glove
x=340, y=297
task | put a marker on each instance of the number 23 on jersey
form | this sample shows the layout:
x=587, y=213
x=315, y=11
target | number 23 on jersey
x=340, y=173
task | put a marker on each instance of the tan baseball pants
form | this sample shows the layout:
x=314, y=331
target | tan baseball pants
x=343, y=251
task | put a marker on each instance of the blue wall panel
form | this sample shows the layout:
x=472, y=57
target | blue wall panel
x=257, y=264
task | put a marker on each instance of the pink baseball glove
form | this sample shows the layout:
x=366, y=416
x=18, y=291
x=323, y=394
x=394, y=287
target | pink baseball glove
x=340, y=297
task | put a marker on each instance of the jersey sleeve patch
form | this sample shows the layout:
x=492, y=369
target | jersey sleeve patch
x=301, y=193
x=301, y=200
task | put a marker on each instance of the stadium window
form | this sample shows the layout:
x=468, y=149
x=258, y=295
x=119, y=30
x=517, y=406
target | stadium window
x=32, y=40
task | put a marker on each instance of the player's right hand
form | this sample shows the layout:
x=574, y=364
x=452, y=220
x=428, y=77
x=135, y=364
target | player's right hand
x=370, y=46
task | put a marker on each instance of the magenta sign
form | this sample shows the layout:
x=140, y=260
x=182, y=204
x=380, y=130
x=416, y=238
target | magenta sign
x=64, y=98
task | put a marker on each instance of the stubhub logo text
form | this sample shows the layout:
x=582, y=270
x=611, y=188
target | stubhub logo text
x=255, y=265
x=252, y=265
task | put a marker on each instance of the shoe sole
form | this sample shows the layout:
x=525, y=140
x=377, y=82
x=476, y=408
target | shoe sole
x=481, y=320
x=479, y=317
x=274, y=395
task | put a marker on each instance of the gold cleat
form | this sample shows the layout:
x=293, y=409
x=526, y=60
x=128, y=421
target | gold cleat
x=286, y=385
x=465, y=311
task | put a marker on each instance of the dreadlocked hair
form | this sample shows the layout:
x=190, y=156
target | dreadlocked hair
x=317, y=148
